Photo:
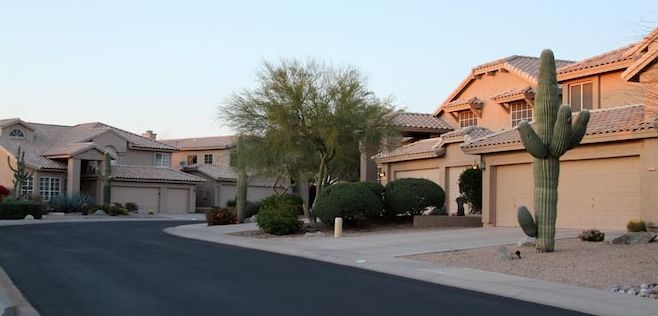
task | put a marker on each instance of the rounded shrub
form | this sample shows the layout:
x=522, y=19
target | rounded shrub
x=375, y=187
x=470, y=186
x=351, y=201
x=410, y=196
x=636, y=225
x=278, y=216
x=221, y=216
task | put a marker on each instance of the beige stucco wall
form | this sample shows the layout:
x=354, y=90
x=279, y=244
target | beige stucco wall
x=494, y=116
x=6, y=175
x=610, y=90
x=220, y=157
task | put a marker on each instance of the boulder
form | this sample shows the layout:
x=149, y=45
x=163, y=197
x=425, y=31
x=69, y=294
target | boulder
x=526, y=241
x=250, y=219
x=100, y=212
x=502, y=253
x=29, y=216
x=635, y=238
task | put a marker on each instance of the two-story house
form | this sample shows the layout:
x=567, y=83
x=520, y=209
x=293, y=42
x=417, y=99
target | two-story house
x=606, y=181
x=66, y=160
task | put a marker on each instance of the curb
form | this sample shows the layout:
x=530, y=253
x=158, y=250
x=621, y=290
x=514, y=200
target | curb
x=12, y=301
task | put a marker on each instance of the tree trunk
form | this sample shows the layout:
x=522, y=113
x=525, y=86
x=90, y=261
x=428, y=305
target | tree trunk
x=241, y=189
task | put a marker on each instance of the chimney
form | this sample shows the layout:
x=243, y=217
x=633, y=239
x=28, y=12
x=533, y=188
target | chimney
x=150, y=135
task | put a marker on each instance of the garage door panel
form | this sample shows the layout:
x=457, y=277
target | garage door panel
x=429, y=174
x=601, y=193
x=177, y=201
x=452, y=188
x=146, y=198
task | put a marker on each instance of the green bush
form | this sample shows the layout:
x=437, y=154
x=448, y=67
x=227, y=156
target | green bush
x=66, y=204
x=411, y=196
x=116, y=209
x=353, y=202
x=636, y=225
x=375, y=187
x=221, y=216
x=19, y=209
x=278, y=216
x=131, y=206
x=470, y=186
x=251, y=209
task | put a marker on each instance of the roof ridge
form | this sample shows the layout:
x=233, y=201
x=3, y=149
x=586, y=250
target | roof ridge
x=131, y=133
x=609, y=52
x=617, y=108
x=203, y=137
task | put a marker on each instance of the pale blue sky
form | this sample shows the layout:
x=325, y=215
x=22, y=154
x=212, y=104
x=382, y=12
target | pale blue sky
x=167, y=65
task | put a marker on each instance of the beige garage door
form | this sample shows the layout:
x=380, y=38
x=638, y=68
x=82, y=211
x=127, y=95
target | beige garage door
x=429, y=174
x=177, y=201
x=146, y=198
x=452, y=189
x=226, y=193
x=597, y=193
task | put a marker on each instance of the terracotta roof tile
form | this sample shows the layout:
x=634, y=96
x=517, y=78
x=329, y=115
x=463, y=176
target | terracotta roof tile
x=419, y=120
x=217, y=172
x=425, y=148
x=467, y=134
x=463, y=104
x=527, y=92
x=605, y=121
x=143, y=173
x=608, y=58
x=527, y=65
x=202, y=143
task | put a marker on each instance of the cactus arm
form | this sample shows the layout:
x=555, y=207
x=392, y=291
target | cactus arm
x=531, y=141
x=579, y=129
x=526, y=221
x=10, y=167
x=561, y=139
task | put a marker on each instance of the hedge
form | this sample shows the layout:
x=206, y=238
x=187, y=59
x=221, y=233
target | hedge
x=20, y=209
x=410, y=196
x=278, y=216
x=351, y=201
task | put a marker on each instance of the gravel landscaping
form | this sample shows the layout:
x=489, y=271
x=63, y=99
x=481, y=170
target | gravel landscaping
x=598, y=265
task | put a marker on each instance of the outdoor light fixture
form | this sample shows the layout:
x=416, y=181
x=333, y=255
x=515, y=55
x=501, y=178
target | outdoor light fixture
x=478, y=166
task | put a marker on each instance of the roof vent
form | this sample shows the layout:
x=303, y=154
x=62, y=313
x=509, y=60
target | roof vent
x=150, y=135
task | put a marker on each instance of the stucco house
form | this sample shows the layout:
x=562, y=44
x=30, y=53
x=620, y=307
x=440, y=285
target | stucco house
x=64, y=160
x=209, y=158
x=606, y=181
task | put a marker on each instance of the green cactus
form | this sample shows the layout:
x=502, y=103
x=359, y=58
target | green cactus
x=106, y=178
x=553, y=134
x=21, y=175
x=241, y=181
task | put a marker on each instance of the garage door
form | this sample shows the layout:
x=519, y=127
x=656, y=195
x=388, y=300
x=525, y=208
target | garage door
x=177, y=201
x=146, y=198
x=430, y=174
x=597, y=193
x=452, y=189
x=226, y=193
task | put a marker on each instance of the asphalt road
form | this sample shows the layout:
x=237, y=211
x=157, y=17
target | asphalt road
x=133, y=268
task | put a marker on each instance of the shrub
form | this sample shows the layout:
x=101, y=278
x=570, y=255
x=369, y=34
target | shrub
x=66, y=204
x=278, y=216
x=470, y=186
x=411, y=196
x=591, y=235
x=375, y=187
x=131, y=206
x=116, y=209
x=636, y=225
x=4, y=192
x=251, y=209
x=221, y=216
x=19, y=209
x=351, y=201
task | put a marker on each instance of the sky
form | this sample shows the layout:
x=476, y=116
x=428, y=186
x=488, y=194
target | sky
x=168, y=65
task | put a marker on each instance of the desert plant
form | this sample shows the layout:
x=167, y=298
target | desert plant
x=375, y=187
x=16, y=209
x=106, y=179
x=636, y=225
x=221, y=216
x=410, y=196
x=353, y=202
x=278, y=216
x=21, y=175
x=591, y=235
x=551, y=136
x=69, y=204
x=470, y=187
x=131, y=206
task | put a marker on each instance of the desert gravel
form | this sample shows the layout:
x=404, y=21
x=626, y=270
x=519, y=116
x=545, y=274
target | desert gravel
x=589, y=264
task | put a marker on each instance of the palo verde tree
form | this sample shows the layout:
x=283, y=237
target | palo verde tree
x=550, y=136
x=312, y=117
x=21, y=174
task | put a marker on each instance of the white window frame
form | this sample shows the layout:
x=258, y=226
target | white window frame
x=580, y=85
x=207, y=159
x=520, y=108
x=49, y=187
x=192, y=159
x=470, y=121
x=27, y=187
x=162, y=160
x=16, y=133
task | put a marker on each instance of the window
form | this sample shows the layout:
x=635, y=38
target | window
x=520, y=111
x=191, y=159
x=162, y=160
x=17, y=133
x=467, y=118
x=207, y=159
x=27, y=187
x=49, y=187
x=581, y=96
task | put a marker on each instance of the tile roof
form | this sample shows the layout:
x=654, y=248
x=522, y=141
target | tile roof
x=418, y=120
x=467, y=134
x=61, y=140
x=615, y=56
x=527, y=92
x=202, y=143
x=602, y=122
x=426, y=148
x=463, y=104
x=144, y=173
x=526, y=65
x=217, y=172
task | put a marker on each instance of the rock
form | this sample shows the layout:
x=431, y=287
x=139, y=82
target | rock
x=250, y=219
x=621, y=240
x=316, y=234
x=100, y=212
x=614, y=288
x=502, y=254
x=653, y=296
x=644, y=286
x=526, y=242
x=644, y=292
x=29, y=216
x=641, y=237
x=631, y=292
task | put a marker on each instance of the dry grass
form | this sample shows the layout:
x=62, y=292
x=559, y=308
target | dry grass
x=589, y=264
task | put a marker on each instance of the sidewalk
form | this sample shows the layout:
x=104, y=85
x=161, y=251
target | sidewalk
x=77, y=218
x=381, y=252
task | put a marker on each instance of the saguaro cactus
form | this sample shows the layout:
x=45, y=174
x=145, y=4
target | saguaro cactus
x=20, y=172
x=106, y=178
x=550, y=137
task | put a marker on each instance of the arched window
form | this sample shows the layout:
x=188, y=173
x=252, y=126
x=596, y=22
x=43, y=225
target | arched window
x=17, y=133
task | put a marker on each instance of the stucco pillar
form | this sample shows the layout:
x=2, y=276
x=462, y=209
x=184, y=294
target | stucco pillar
x=368, y=167
x=73, y=176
